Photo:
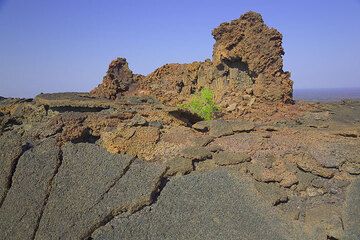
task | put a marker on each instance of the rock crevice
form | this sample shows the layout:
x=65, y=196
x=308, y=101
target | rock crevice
x=29, y=191
x=50, y=186
x=9, y=179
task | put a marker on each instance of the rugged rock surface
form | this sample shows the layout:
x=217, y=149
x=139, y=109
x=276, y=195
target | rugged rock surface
x=246, y=69
x=138, y=141
x=92, y=187
x=83, y=186
x=119, y=165
x=248, y=44
x=187, y=208
x=295, y=168
x=25, y=202
x=230, y=158
x=11, y=148
x=352, y=212
x=245, y=72
x=171, y=83
x=117, y=80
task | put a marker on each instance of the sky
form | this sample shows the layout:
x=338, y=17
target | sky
x=58, y=46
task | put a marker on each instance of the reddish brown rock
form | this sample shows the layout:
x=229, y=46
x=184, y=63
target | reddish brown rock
x=70, y=125
x=245, y=73
x=139, y=141
x=117, y=80
x=171, y=83
x=252, y=47
x=308, y=164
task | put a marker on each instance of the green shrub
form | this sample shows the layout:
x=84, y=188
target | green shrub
x=202, y=104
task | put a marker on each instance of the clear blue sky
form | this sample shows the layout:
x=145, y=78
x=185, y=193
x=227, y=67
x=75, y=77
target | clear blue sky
x=52, y=46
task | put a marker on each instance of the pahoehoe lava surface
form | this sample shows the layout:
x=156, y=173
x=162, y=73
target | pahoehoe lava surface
x=203, y=206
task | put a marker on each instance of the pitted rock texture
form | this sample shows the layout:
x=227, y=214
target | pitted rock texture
x=92, y=187
x=246, y=68
x=248, y=41
x=11, y=148
x=300, y=168
x=203, y=206
x=171, y=83
x=23, y=206
x=140, y=141
x=246, y=72
x=117, y=80
x=352, y=212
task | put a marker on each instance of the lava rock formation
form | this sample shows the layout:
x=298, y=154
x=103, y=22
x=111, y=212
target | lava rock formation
x=246, y=71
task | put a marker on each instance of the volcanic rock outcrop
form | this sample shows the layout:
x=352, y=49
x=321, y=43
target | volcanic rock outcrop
x=120, y=164
x=245, y=72
x=117, y=80
x=249, y=46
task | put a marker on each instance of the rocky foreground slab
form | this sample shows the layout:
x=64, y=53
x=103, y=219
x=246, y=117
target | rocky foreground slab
x=209, y=205
x=71, y=172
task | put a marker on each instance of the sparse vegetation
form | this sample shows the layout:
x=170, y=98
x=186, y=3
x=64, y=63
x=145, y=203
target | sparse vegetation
x=202, y=104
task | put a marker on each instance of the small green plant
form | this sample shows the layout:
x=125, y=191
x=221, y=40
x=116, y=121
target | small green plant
x=202, y=104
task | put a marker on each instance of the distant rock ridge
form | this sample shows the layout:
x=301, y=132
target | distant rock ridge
x=246, y=72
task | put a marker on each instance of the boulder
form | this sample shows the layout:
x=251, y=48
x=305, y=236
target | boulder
x=250, y=48
x=309, y=164
x=230, y=158
x=137, y=141
x=196, y=153
x=117, y=80
x=178, y=165
x=220, y=128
